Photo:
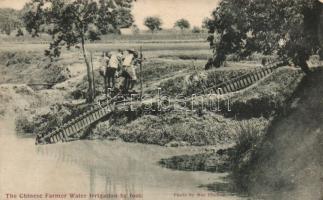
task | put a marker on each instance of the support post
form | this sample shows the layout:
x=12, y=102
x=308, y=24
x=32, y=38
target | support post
x=93, y=79
x=140, y=68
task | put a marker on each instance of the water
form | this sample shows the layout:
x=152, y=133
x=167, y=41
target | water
x=97, y=167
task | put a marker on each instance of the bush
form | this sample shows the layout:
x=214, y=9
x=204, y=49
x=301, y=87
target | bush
x=249, y=137
x=249, y=134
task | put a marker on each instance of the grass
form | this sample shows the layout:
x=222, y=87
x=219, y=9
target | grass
x=163, y=128
x=99, y=47
x=187, y=55
x=30, y=67
x=161, y=36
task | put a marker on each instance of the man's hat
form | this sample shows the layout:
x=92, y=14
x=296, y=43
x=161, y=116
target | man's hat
x=132, y=50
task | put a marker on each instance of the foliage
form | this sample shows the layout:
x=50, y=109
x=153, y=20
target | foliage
x=153, y=23
x=182, y=24
x=119, y=17
x=288, y=28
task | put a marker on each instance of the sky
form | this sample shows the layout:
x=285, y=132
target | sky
x=168, y=10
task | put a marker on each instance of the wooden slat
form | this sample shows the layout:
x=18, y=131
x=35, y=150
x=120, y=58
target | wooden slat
x=238, y=84
x=264, y=73
x=57, y=138
x=96, y=115
x=245, y=81
x=242, y=84
x=228, y=88
x=225, y=90
x=82, y=121
x=235, y=86
x=231, y=87
x=249, y=80
x=65, y=135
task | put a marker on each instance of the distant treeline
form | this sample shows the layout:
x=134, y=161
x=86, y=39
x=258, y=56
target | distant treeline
x=10, y=20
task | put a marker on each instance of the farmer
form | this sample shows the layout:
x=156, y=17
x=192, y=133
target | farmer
x=111, y=62
x=103, y=66
x=129, y=64
x=113, y=66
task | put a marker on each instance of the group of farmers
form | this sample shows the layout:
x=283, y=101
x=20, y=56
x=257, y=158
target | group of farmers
x=119, y=70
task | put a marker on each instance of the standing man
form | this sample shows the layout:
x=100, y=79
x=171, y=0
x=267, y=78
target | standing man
x=103, y=68
x=110, y=63
x=129, y=66
x=114, y=64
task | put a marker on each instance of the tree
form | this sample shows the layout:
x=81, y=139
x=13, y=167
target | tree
x=196, y=29
x=19, y=33
x=119, y=17
x=283, y=27
x=153, y=23
x=135, y=29
x=70, y=23
x=182, y=24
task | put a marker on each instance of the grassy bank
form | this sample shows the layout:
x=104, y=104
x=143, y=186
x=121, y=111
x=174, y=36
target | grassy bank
x=286, y=161
x=171, y=129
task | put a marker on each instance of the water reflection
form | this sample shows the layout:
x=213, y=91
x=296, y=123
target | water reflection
x=98, y=168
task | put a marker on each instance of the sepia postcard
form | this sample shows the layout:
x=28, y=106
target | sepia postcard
x=161, y=99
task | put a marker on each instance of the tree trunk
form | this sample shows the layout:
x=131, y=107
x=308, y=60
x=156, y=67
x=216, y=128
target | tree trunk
x=141, y=88
x=304, y=66
x=301, y=60
x=90, y=94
